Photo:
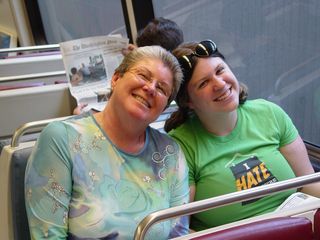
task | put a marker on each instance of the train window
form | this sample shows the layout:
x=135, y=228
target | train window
x=66, y=20
x=272, y=46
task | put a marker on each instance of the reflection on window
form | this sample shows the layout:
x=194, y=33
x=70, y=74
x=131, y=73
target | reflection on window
x=272, y=46
x=72, y=19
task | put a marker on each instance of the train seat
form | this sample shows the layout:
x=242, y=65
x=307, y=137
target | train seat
x=30, y=64
x=284, y=228
x=19, y=216
x=41, y=102
x=316, y=225
x=13, y=160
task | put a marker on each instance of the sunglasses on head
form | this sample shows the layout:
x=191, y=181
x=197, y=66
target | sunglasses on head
x=204, y=49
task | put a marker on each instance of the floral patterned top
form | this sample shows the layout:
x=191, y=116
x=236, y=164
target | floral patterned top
x=79, y=185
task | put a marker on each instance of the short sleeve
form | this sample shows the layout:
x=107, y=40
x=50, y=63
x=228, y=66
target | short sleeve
x=187, y=150
x=287, y=131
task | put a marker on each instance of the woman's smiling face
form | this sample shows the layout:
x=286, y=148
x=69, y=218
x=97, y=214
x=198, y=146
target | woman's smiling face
x=213, y=87
x=145, y=89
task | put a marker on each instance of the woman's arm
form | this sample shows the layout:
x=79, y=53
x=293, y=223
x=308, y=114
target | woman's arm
x=48, y=185
x=192, y=192
x=297, y=156
x=180, y=196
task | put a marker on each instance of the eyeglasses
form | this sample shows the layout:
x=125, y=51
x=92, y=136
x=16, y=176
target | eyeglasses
x=204, y=49
x=145, y=75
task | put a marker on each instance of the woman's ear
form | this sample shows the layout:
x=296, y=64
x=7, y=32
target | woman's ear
x=115, y=78
x=190, y=104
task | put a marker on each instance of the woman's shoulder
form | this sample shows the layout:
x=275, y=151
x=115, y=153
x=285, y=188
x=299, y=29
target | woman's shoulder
x=53, y=133
x=157, y=135
x=74, y=123
x=84, y=120
x=54, y=128
x=259, y=102
x=186, y=130
x=261, y=110
x=261, y=105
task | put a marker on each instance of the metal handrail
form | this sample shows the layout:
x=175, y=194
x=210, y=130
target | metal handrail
x=48, y=47
x=32, y=76
x=27, y=127
x=313, y=150
x=202, y=205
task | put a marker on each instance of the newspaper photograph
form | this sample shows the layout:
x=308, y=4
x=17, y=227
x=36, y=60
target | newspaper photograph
x=89, y=64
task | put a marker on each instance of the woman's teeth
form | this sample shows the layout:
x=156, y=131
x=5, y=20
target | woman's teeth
x=142, y=100
x=224, y=96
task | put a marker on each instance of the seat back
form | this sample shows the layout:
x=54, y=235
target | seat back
x=316, y=225
x=43, y=102
x=314, y=155
x=30, y=64
x=19, y=161
x=284, y=228
x=13, y=221
x=13, y=162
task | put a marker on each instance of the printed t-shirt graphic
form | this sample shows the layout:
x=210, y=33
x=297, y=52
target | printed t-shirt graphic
x=250, y=172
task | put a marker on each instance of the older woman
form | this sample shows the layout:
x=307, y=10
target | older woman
x=96, y=176
x=231, y=144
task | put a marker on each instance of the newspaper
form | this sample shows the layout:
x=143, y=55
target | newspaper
x=297, y=199
x=89, y=64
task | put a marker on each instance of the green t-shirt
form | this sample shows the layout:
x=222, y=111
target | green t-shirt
x=248, y=157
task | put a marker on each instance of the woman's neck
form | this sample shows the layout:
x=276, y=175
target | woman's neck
x=125, y=134
x=220, y=124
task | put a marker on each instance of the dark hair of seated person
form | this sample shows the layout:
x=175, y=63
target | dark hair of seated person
x=160, y=31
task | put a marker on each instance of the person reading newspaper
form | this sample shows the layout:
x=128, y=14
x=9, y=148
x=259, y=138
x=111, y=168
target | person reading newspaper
x=160, y=31
x=97, y=175
x=89, y=64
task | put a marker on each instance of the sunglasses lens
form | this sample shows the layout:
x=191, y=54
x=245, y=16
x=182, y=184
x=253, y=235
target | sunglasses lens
x=186, y=63
x=206, y=48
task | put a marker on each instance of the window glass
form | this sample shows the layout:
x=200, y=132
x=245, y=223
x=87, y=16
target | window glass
x=72, y=19
x=272, y=46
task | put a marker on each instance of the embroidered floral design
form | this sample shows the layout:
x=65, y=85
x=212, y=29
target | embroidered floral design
x=80, y=146
x=161, y=158
x=93, y=177
x=56, y=189
x=29, y=193
x=146, y=179
x=98, y=136
x=65, y=217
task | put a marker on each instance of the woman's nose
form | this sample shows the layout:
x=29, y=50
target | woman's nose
x=150, y=87
x=218, y=83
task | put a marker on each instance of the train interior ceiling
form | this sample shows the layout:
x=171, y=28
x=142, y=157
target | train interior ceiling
x=269, y=48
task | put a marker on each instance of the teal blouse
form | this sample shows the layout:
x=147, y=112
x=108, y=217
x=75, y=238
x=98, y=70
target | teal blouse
x=81, y=186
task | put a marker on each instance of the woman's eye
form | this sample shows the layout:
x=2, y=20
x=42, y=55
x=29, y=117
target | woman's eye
x=203, y=84
x=220, y=70
x=143, y=77
x=161, y=90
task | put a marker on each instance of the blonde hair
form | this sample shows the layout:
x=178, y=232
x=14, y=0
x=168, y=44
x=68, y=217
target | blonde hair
x=155, y=52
